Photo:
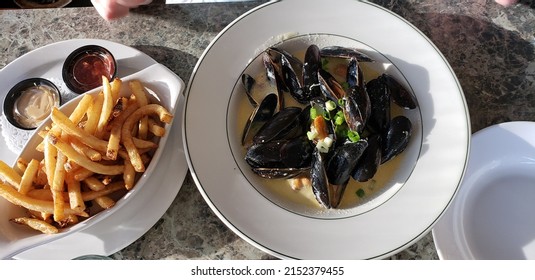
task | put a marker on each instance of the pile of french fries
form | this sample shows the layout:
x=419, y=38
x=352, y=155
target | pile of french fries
x=89, y=159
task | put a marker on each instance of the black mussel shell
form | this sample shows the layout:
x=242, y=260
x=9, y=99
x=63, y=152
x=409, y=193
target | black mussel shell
x=400, y=95
x=343, y=161
x=357, y=108
x=355, y=76
x=280, y=125
x=280, y=173
x=248, y=83
x=292, y=81
x=265, y=155
x=339, y=169
x=344, y=52
x=297, y=153
x=369, y=162
x=330, y=87
x=274, y=77
x=318, y=179
x=397, y=137
x=292, y=153
x=260, y=115
x=311, y=66
x=380, y=105
x=295, y=61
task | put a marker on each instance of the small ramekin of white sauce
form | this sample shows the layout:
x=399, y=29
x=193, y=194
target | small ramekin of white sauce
x=30, y=102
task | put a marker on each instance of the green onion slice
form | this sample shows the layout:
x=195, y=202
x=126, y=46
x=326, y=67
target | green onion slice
x=353, y=136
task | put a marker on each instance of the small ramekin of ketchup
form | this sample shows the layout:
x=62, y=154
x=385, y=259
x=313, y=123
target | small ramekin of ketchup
x=84, y=67
x=30, y=102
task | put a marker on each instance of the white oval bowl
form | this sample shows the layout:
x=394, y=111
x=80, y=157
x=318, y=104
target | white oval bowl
x=165, y=88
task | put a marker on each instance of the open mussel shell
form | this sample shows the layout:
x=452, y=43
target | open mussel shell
x=30, y=101
x=357, y=108
x=311, y=67
x=281, y=52
x=319, y=180
x=248, y=83
x=280, y=173
x=330, y=87
x=273, y=74
x=260, y=115
x=344, y=52
x=292, y=82
x=340, y=166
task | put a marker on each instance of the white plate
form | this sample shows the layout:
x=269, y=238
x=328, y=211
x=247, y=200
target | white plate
x=492, y=216
x=133, y=220
x=441, y=144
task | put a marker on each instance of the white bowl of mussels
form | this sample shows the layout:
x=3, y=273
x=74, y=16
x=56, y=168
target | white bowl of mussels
x=327, y=142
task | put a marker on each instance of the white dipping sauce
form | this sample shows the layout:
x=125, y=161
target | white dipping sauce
x=34, y=105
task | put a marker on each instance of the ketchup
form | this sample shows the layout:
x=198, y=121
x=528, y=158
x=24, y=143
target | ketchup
x=84, y=68
x=90, y=69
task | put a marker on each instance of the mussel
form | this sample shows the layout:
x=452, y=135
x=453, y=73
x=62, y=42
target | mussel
x=357, y=106
x=283, y=125
x=397, y=137
x=288, y=153
x=340, y=166
x=248, y=83
x=311, y=67
x=379, y=95
x=292, y=82
x=281, y=173
x=274, y=78
x=319, y=180
x=400, y=95
x=330, y=87
x=281, y=52
x=344, y=52
x=369, y=161
x=260, y=115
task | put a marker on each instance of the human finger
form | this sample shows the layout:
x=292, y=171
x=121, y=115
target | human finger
x=109, y=9
x=506, y=2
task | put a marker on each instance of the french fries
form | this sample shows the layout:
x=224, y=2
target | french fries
x=93, y=115
x=115, y=130
x=139, y=93
x=107, y=106
x=30, y=172
x=74, y=191
x=128, y=126
x=9, y=175
x=96, y=154
x=36, y=224
x=94, y=184
x=82, y=160
x=9, y=193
